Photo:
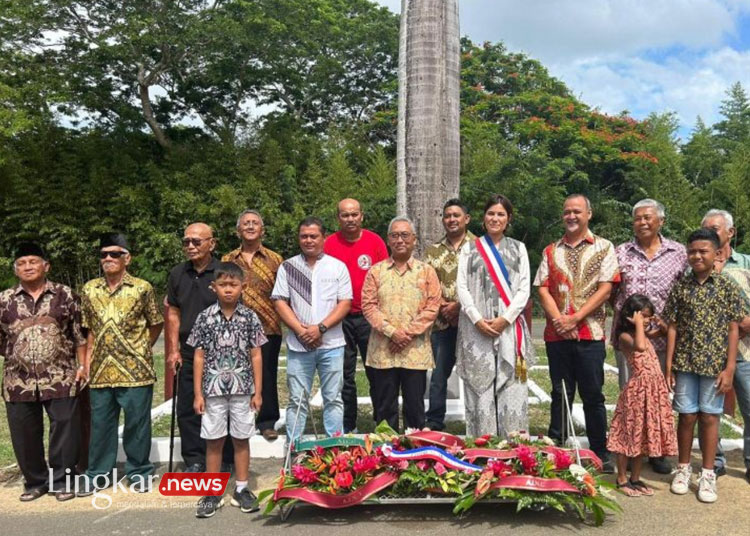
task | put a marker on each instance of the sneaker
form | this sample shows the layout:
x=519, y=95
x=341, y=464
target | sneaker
x=246, y=500
x=208, y=505
x=660, y=465
x=720, y=470
x=707, y=488
x=681, y=481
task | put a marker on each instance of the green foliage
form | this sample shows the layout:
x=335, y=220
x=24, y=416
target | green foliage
x=142, y=120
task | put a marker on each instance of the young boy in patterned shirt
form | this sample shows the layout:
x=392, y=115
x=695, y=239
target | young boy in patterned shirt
x=227, y=369
x=703, y=311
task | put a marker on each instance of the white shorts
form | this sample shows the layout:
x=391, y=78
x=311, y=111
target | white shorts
x=234, y=409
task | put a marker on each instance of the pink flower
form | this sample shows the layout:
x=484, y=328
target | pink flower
x=320, y=450
x=440, y=469
x=344, y=479
x=527, y=459
x=403, y=465
x=338, y=434
x=422, y=465
x=304, y=475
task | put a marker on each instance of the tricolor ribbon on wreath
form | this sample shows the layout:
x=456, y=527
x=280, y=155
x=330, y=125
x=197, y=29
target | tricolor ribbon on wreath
x=430, y=453
x=501, y=278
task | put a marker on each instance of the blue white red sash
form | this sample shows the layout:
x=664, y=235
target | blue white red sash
x=501, y=278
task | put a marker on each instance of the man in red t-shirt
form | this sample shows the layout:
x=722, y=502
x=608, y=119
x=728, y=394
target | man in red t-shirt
x=359, y=249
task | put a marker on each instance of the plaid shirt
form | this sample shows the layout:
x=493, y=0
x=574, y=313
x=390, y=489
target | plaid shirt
x=653, y=277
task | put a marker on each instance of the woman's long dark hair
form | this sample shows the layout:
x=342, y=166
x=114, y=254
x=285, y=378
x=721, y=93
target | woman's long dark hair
x=636, y=302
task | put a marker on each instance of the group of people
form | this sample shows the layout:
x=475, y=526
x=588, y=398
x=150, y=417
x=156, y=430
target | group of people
x=681, y=317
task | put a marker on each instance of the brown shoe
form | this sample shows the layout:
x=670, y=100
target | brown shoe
x=32, y=494
x=64, y=495
x=269, y=434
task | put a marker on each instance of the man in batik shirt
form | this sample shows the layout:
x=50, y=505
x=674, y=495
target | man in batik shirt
x=45, y=352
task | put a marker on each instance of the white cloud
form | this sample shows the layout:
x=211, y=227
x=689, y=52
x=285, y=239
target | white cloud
x=638, y=55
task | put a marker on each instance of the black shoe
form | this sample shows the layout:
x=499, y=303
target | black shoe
x=207, y=506
x=720, y=470
x=608, y=466
x=747, y=475
x=434, y=426
x=660, y=465
x=85, y=486
x=195, y=468
x=246, y=500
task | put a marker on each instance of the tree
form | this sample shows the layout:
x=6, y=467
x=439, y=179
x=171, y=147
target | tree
x=734, y=129
x=428, y=118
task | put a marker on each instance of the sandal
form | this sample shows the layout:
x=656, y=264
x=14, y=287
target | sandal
x=627, y=489
x=32, y=494
x=641, y=487
x=64, y=495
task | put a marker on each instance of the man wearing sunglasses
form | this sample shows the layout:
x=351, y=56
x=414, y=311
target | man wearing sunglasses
x=188, y=293
x=124, y=321
x=45, y=352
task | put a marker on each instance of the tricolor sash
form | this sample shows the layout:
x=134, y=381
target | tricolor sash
x=501, y=278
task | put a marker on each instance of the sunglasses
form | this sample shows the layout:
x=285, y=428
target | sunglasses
x=195, y=241
x=114, y=254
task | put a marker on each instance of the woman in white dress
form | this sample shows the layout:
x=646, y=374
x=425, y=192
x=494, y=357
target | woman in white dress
x=494, y=349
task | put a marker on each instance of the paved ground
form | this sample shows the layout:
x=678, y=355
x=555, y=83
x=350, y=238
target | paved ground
x=143, y=514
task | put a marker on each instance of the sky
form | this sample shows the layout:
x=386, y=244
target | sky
x=642, y=56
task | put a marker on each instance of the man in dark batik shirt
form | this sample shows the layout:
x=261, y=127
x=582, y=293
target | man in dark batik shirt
x=40, y=337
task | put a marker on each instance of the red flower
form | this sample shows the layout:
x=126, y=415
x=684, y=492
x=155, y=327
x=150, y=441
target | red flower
x=526, y=456
x=440, y=469
x=481, y=441
x=344, y=479
x=366, y=464
x=561, y=458
x=320, y=450
x=340, y=463
x=304, y=475
x=500, y=468
x=484, y=482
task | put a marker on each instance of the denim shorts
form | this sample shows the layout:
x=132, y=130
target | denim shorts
x=694, y=393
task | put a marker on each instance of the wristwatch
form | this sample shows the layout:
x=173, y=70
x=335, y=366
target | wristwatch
x=322, y=327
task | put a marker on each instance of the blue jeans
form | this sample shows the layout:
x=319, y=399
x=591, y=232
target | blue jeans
x=444, y=350
x=300, y=370
x=694, y=393
x=742, y=390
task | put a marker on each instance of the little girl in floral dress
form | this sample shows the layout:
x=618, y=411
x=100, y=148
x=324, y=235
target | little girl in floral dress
x=642, y=424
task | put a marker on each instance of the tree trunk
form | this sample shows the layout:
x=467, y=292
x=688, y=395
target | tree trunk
x=428, y=113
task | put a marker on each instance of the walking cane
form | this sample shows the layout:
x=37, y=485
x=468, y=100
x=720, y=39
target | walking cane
x=175, y=385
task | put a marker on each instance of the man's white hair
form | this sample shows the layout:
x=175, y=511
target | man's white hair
x=401, y=218
x=728, y=219
x=245, y=213
x=650, y=203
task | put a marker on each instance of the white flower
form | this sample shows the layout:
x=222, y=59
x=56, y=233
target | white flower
x=577, y=470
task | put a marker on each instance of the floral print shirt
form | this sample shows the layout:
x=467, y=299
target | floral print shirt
x=702, y=313
x=38, y=339
x=226, y=343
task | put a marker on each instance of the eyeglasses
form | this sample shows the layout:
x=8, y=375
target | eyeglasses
x=195, y=241
x=114, y=254
x=403, y=236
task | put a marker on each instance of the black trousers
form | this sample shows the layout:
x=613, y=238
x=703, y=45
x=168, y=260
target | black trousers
x=411, y=383
x=357, y=334
x=26, y=424
x=269, y=411
x=579, y=364
x=193, y=447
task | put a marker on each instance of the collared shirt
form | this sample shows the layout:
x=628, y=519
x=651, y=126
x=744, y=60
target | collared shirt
x=260, y=277
x=38, y=339
x=653, y=277
x=119, y=321
x=313, y=294
x=226, y=342
x=409, y=301
x=359, y=256
x=191, y=293
x=572, y=275
x=702, y=313
x=444, y=259
x=737, y=268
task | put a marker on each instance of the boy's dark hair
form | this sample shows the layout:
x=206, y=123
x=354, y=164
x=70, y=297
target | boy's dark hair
x=456, y=202
x=229, y=269
x=705, y=234
x=636, y=302
x=499, y=199
x=312, y=220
